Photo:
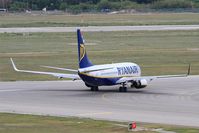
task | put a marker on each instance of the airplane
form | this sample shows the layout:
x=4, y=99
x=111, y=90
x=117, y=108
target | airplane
x=103, y=75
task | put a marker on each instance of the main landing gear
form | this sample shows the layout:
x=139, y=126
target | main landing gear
x=123, y=88
x=94, y=88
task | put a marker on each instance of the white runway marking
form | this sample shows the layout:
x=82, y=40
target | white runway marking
x=94, y=113
x=11, y=90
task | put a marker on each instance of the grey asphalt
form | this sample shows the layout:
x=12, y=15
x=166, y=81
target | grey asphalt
x=168, y=101
x=100, y=28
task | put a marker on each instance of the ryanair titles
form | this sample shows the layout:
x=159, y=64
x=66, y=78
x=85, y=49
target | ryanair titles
x=127, y=70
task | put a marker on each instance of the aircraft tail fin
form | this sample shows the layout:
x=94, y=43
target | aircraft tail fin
x=82, y=56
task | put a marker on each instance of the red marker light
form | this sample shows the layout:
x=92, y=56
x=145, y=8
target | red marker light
x=133, y=126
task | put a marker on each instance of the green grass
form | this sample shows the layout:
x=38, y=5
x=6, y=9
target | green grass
x=157, y=52
x=43, y=20
x=15, y=123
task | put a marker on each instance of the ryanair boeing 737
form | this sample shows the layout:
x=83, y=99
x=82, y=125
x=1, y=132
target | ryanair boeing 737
x=103, y=75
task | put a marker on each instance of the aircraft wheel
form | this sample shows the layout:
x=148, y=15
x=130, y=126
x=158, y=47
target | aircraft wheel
x=94, y=88
x=123, y=89
x=132, y=86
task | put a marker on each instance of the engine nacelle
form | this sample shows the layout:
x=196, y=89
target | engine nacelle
x=140, y=83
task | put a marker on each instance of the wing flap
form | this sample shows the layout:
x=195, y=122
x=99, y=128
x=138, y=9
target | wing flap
x=148, y=78
x=131, y=79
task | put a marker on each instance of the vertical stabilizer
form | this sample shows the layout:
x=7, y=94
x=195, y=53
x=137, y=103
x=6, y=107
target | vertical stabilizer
x=83, y=59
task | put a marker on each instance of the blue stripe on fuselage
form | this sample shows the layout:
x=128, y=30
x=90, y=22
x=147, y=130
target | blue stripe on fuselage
x=94, y=81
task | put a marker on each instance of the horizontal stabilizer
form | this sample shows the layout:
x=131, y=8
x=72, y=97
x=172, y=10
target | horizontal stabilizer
x=58, y=68
x=94, y=69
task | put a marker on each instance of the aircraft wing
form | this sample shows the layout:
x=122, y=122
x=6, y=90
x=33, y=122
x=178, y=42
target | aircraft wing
x=59, y=75
x=150, y=78
x=147, y=78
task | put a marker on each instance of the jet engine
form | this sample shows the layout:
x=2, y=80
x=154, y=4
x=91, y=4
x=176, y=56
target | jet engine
x=139, y=84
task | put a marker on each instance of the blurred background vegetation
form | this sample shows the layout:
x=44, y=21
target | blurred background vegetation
x=77, y=6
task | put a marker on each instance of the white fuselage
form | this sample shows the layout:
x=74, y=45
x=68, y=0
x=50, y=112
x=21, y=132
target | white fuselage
x=115, y=70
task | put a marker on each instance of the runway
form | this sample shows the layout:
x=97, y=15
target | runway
x=100, y=28
x=168, y=101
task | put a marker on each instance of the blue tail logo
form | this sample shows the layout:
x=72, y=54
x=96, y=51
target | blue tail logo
x=83, y=59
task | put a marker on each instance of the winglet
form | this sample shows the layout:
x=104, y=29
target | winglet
x=13, y=64
x=189, y=69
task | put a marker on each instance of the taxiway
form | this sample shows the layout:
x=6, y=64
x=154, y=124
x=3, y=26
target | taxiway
x=100, y=28
x=168, y=101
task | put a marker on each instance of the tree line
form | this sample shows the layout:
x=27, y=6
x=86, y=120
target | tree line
x=95, y=5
